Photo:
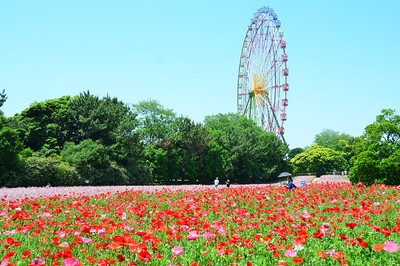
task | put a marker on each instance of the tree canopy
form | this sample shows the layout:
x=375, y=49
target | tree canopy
x=254, y=156
x=90, y=133
x=3, y=98
x=377, y=151
x=319, y=160
x=155, y=122
x=333, y=139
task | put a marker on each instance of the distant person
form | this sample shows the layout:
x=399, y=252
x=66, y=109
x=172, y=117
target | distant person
x=228, y=183
x=216, y=182
x=290, y=185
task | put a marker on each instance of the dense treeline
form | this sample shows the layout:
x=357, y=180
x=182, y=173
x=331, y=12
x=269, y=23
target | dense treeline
x=87, y=140
x=372, y=158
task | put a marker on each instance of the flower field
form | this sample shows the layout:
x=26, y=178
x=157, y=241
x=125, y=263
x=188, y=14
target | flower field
x=319, y=224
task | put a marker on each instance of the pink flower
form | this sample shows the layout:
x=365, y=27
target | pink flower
x=185, y=227
x=330, y=252
x=290, y=253
x=222, y=231
x=72, y=262
x=47, y=215
x=7, y=233
x=217, y=227
x=62, y=234
x=86, y=240
x=37, y=261
x=207, y=235
x=192, y=235
x=326, y=231
x=177, y=250
x=391, y=246
x=63, y=245
x=4, y=263
x=220, y=252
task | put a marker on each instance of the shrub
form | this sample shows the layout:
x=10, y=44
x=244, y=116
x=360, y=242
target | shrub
x=41, y=171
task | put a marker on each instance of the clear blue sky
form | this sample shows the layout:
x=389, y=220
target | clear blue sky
x=343, y=56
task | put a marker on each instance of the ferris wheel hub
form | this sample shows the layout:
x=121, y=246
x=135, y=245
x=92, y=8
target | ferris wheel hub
x=259, y=84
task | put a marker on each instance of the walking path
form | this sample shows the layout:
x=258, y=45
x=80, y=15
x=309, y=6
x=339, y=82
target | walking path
x=323, y=178
x=34, y=192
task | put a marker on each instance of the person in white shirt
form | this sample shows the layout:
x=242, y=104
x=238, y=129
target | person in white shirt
x=216, y=182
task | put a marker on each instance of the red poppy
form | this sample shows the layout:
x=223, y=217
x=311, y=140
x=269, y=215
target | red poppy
x=120, y=258
x=337, y=255
x=26, y=254
x=298, y=260
x=322, y=254
x=144, y=256
x=9, y=255
x=318, y=234
x=351, y=225
x=90, y=259
x=158, y=256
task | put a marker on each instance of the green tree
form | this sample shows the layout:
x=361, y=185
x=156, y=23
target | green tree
x=188, y=155
x=156, y=157
x=10, y=143
x=333, y=139
x=155, y=126
x=93, y=163
x=111, y=123
x=319, y=160
x=337, y=141
x=45, y=128
x=3, y=98
x=43, y=125
x=155, y=122
x=90, y=117
x=377, y=151
x=254, y=155
x=10, y=148
x=293, y=152
x=39, y=171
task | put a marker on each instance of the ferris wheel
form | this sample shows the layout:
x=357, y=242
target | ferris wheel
x=262, y=80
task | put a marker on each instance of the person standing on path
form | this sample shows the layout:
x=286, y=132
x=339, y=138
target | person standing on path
x=216, y=182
